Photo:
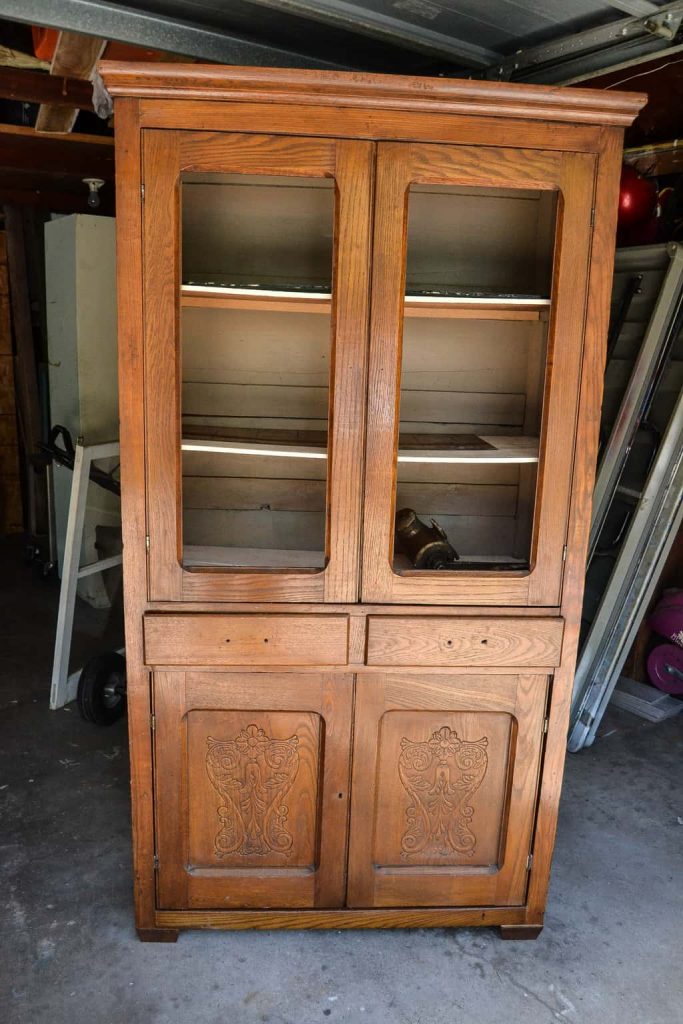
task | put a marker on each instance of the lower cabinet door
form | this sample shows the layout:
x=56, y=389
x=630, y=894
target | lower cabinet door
x=445, y=777
x=251, y=789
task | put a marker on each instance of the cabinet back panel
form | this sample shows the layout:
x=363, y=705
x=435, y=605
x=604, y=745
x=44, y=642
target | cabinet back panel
x=255, y=228
x=254, y=368
x=475, y=238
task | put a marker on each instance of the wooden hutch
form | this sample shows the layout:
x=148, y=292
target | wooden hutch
x=343, y=296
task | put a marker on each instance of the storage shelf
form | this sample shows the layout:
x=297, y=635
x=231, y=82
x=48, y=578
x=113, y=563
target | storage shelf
x=196, y=556
x=401, y=564
x=278, y=300
x=503, y=450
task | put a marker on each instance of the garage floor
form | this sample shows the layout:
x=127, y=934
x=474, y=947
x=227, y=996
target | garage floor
x=609, y=954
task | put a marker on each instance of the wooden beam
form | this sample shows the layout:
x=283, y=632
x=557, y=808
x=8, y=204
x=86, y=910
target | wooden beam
x=26, y=372
x=80, y=156
x=48, y=197
x=10, y=58
x=37, y=87
x=47, y=171
x=75, y=56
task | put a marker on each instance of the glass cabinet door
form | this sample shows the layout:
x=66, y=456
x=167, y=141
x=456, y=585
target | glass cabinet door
x=256, y=291
x=479, y=287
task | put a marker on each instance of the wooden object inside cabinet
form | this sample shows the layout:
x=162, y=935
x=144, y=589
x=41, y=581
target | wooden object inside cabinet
x=361, y=331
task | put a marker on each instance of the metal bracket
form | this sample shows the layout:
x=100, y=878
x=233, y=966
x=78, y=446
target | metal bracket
x=594, y=49
x=663, y=25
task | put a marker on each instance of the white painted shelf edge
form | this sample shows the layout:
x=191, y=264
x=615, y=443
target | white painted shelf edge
x=434, y=300
x=515, y=449
x=196, y=555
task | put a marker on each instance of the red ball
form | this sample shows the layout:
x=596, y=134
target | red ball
x=637, y=197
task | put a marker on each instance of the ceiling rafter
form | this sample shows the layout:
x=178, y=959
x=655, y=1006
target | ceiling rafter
x=355, y=17
x=593, y=49
x=75, y=56
x=144, y=28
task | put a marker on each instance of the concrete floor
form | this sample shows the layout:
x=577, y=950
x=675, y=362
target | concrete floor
x=610, y=952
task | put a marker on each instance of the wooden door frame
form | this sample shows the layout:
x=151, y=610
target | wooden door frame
x=522, y=695
x=329, y=695
x=573, y=176
x=166, y=155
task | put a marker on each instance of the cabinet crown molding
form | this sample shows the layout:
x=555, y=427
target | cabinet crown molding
x=349, y=89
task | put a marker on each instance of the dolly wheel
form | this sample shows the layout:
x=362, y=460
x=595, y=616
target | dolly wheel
x=102, y=689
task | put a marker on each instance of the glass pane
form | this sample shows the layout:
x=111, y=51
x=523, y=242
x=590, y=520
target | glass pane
x=256, y=298
x=479, y=270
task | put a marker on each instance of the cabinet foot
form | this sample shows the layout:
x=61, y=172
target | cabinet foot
x=158, y=934
x=520, y=931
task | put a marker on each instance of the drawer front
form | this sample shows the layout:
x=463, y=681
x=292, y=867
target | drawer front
x=246, y=639
x=463, y=642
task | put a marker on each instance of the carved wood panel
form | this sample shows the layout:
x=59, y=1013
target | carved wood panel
x=252, y=786
x=445, y=777
x=442, y=788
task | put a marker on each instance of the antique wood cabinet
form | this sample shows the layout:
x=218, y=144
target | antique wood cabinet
x=346, y=301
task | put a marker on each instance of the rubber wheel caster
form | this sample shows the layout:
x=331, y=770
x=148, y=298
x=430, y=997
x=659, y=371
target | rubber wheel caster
x=102, y=689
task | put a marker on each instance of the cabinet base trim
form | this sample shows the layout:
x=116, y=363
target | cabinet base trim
x=439, y=917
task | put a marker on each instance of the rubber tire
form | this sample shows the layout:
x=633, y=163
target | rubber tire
x=99, y=672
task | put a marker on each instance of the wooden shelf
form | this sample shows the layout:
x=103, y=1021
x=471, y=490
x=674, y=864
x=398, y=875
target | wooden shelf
x=401, y=564
x=196, y=556
x=272, y=300
x=268, y=300
x=515, y=449
x=503, y=449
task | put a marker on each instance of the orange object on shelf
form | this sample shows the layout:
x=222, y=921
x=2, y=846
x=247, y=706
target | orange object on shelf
x=44, y=41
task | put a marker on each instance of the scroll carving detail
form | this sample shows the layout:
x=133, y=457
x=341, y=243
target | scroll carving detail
x=253, y=774
x=440, y=776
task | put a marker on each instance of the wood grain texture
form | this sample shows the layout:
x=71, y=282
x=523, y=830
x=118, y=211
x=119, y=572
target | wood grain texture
x=280, y=123
x=398, y=166
x=463, y=641
x=356, y=610
x=588, y=424
x=246, y=639
x=372, y=124
x=158, y=934
x=260, y=920
x=196, y=299
x=167, y=154
x=133, y=489
x=502, y=99
x=75, y=57
x=478, y=741
x=516, y=932
x=565, y=345
x=161, y=268
x=252, y=789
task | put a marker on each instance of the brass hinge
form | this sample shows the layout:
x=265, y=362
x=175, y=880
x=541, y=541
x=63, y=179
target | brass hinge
x=142, y=192
x=147, y=542
x=545, y=724
x=152, y=722
x=564, y=552
x=156, y=862
x=529, y=861
x=592, y=217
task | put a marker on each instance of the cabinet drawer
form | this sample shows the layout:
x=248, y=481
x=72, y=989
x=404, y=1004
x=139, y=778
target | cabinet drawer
x=446, y=640
x=246, y=639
